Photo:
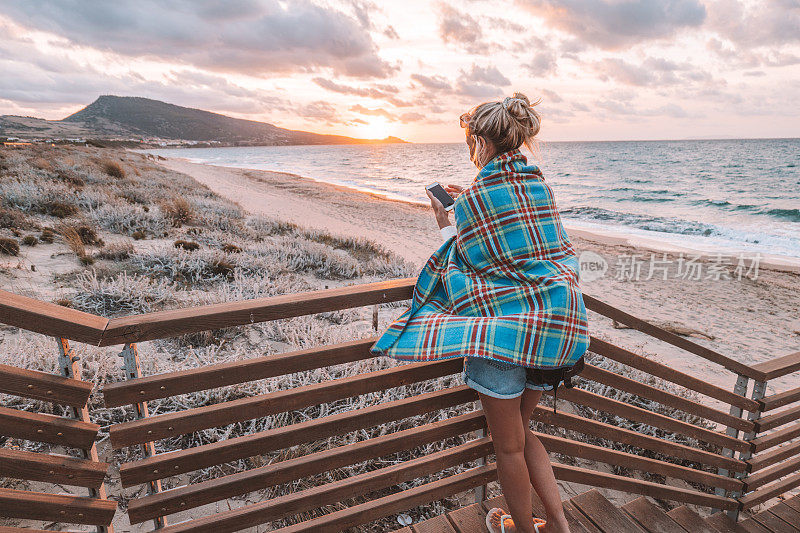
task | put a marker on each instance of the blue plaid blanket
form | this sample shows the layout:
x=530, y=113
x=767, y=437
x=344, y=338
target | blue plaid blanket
x=505, y=287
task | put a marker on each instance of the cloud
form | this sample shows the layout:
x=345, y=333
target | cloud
x=461, y=28
x=318, y=111
x=651, y=72
x=614, y=24
x=432, y=82
x=543, y=63
x=377, y=112
x=481, y=82
x=764, y=23
x=241, y=36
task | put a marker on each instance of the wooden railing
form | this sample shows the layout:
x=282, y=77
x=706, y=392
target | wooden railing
x=749, y=461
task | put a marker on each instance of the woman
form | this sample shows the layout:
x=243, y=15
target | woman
x=502, y=292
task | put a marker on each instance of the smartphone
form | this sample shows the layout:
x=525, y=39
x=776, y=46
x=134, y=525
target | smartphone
x=442, y=195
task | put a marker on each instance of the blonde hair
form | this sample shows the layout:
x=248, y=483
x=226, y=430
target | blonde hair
x=509, y=123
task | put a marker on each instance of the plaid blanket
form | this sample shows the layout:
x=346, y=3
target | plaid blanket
x=505, y=287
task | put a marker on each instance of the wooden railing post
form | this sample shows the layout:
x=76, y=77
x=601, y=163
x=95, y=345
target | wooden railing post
x=480, y=491
x=132, y=369
x=69, y=368
x=759, y=389
x=740, y=389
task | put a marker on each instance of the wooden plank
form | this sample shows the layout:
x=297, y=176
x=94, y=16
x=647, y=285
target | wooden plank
x=577, y=520
x=689, y=520
x=665, y=398
x=781, y=399
x=793, y=502
x=613, y=313
x=751, y=526
x=164, y=324
x=764, y=442
x=723, y=524
x=468, y=519
x=56, y=507
x=43, y=386
x=19, y=464
x=636, y=486
x=635, y=462
x=213, y=376
x=192, y=496
x=403, y=530
x=668, y=373
x=266, y=511
x=773, y=522
x=762, y=477
x=768, y=492
x=638, y=414
x=187, y=460
x=626, y=436
x=178, y=423
x=38, y=427
x=787, y=514
x=651, y=517
x=437, y=524
x=779, y=366
x=776, y=455
x=603, y=513
x=765, y=423
x=50, y=319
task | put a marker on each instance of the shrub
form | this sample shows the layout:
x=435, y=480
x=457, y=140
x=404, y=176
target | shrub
x=12, y=218
x=68, y=176
x=231, y=249
x=116, y=251
x=9, y=246
x=30, y=240
x=47, y=236
x=112, y=168
x=138, y=235
x=59, y=209
x=178, y=211
x=127, y=219
x=223, y=268
x=89, y=236
x=63, y=302
x=189, y=246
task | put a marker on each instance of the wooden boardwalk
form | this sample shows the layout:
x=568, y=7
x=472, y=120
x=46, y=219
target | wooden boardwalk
x=591, y=512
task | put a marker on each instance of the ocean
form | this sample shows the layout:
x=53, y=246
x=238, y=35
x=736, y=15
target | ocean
x=730, y=196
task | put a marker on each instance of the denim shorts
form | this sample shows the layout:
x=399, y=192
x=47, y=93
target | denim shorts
x=498, y=379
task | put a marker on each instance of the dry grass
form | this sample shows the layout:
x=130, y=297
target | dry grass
x=113, y=168
x=179, y=211
x=74, y=241
x=9, y=246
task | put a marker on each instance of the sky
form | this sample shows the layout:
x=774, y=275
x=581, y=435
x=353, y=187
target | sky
x=603, y=69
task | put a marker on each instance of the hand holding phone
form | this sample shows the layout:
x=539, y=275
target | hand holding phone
x=440, y=194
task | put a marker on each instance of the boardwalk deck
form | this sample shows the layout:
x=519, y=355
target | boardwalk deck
x=590, y=512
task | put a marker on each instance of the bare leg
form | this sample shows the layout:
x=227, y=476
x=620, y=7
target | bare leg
x=539, y=469
x=508, y=434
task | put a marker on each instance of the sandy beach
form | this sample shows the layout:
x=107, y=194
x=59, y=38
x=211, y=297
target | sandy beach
x=748, y=319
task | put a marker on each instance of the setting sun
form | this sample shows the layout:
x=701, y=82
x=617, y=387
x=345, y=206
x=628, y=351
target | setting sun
x=375, y=128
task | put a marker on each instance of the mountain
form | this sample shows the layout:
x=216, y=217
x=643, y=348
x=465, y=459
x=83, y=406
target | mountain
x=143, y=118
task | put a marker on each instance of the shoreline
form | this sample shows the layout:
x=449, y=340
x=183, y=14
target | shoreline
x=604, y=236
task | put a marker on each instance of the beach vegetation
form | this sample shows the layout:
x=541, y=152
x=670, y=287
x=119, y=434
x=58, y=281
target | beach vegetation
x=189, y=246
x=30, y=240
x=113, y=168
x=48, y=236
x=9, y=246
x=179, y=211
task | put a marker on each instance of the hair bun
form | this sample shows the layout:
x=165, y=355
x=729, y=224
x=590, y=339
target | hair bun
x=520, y=108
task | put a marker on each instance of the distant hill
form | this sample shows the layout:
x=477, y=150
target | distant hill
x=141, y=118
